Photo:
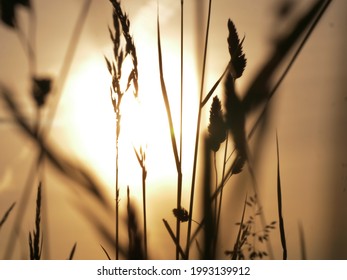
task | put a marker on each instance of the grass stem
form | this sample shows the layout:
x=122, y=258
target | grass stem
x=279, y=203
x=197, y=136
x=179, y=179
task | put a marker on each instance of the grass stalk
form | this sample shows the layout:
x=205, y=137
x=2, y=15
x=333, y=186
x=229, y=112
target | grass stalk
x=72, y=253
x=115, y=69
x=301, y=45
x=106, y=253
x=141, y=159
x=219, y=210
x=173, y=237
x=209, y=94
x=135, y=251
x=179, y=182
x=117, y=189
x=172, y=132
x=197, y=136
x=7, y=213
x=144, y=174
x=35, y=239
x=238, y=238
x=209, y=229
x=279, y=203
x=166, y=101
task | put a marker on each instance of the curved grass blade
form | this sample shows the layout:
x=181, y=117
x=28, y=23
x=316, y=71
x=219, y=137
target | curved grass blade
x=209, y=94
x=172, y=235
x=107, y=255
x=237, y=242
x=197, y=136
x=72, y=253
x=166, y=100
x=279, y=203
x=7, y=213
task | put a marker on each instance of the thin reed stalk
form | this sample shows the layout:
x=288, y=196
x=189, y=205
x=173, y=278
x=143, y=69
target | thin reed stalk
x=106, y=253
x=72, y=253
x=179, y=182
x=35, y=239
x=141, y=157
x=7, y=213
x=173, y=237
x=197, y=136
x=209, y=229
x=120, y=19
x=117, y=190
x=219, y=210
x=172, y=133
x=144, y=174
x=237, y=244
x=279, y=204
x=135, y=251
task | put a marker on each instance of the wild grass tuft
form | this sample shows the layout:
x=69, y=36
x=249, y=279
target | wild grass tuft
x=249, y=241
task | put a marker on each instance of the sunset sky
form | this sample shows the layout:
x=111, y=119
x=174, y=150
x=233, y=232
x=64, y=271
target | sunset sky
x=308, y=113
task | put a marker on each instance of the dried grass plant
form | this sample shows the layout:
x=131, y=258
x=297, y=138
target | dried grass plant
x=226, y=135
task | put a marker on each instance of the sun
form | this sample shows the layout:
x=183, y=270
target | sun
x=89, y=122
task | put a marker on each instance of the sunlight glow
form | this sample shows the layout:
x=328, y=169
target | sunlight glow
x=143, y=124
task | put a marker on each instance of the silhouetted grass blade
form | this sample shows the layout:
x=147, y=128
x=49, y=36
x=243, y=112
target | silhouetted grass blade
x=279, y=203
x=73, y=250
x=6, y=215
x=258, y=92
x=106, y=253
x=135, y=251
x=209, y=229
x=209, y=94
x=166, y=101
x=35, y=239
x=172, y=235
x=236, y=250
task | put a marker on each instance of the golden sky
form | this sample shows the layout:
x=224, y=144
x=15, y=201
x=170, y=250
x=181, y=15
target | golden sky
x=308, y=113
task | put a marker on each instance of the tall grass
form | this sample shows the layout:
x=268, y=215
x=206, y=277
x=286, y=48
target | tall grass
x=121, y=23
x=227, y=129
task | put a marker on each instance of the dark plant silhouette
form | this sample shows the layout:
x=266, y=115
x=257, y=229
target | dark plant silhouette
x=120, y=20
x=227, y=121
x=35, y=238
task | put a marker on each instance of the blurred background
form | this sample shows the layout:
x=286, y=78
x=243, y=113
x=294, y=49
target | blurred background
x=308, y=113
